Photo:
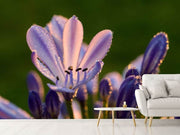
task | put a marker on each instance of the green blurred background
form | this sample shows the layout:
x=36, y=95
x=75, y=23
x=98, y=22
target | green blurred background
x=133, y=23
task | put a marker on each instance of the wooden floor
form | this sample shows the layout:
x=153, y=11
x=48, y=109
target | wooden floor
x=89, y=127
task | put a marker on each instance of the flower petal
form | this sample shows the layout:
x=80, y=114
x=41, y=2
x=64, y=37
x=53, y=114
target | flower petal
x=155, y=53
x=34, y=83
x=82, y=52
x=44, y=69
x=60, y=89
x=11, y=111
x=41, y=42
x=56, y=27
x=92, y=73
x=97, y=49
x=72, y=40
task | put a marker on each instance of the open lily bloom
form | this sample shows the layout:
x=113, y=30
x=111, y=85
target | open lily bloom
x=56, y=53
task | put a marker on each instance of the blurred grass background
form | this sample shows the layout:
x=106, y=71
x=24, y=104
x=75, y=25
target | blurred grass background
x=133, y=22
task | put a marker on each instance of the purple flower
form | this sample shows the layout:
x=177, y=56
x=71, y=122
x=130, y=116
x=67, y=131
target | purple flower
x=155, y=53
x=51, y=107
x=116, y=80
x=34, y=83
x=105, y=89
x=127, y=93
x=11, y=111
x=153, y=57
x=56, y=53
x=52, y=104
x=132, y=71
x=35, y=105
x=137, y=62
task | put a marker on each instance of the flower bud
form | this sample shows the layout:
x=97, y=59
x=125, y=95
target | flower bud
x=155, y=53
x=34, y=83
x=105, y=88
x=52, y=104
x=132, y=71
x=127, y=93
x=35, y=105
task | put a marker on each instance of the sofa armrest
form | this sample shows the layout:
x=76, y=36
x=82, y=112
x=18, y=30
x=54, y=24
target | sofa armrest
x=141, y=101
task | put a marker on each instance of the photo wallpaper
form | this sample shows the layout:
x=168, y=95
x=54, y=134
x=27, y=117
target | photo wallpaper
x=61, y=59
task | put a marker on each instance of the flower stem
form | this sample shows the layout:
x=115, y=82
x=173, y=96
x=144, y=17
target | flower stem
x=105, y=104
x=84, y=109
x=69, y=109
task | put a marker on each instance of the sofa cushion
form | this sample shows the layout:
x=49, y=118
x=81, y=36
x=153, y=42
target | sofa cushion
x=173, y=87
x=157, y=88
x=145, y=91
x=164, y=103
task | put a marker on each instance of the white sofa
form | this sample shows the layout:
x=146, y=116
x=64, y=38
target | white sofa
x=159, y=95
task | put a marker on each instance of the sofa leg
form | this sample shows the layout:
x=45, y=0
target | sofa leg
x=145, y=119
x=150, y=121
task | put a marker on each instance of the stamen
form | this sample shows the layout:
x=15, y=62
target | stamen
x=57, y=79
x=71, y=77
x=67, y=72
x=70, y=68
x=66, y=80
x=85, y=69
x=77, y=70
x=85, y=73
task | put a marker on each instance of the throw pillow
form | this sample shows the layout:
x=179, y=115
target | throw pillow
x=173, y=88
x=146, y=93
x=157, y=88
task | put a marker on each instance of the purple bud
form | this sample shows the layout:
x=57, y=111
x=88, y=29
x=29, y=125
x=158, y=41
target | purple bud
x=132, y=71
x=116, y=79
x=127, y=93
x=155, y=53
x=105, y=88
x=34, y=83
x=52, y=104
x=35, y=105
x=137, y=62
x=82, y=94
